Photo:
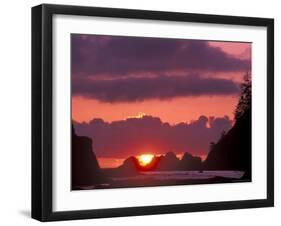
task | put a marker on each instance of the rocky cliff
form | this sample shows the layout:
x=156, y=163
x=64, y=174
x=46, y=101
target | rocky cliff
x=233, y=150
x=85, y=167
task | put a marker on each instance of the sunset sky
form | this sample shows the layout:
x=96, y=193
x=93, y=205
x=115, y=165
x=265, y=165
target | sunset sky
x=136, y=95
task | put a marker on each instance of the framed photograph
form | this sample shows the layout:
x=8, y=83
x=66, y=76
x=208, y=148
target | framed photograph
x=145, y=112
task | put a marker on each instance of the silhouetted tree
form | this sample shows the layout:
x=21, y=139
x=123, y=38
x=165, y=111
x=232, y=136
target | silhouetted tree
x=233, y=150
x=245, y=99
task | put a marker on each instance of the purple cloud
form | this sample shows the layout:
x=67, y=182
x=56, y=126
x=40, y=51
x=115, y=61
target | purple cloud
x=131, y=89
x=133, y=136
x=115, y=56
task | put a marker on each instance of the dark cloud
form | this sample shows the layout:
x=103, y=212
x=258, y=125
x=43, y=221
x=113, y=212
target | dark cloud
x=114, y=56
x=134, y=136
x=161, y=87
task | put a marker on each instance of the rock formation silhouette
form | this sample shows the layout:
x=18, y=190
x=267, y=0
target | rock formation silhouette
x=233, y=150
x=169, y=162
x=85, y=167
x=128, y=168
x=189, y=162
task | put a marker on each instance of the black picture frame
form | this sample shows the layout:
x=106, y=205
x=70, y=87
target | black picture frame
x=42, y=106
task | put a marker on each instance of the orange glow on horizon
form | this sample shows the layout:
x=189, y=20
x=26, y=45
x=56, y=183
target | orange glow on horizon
x=105, y=162
x=182, y=109
x=145, y=159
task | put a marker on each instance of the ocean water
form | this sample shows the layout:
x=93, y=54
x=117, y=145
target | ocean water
x=172, y=175
x=182, y=175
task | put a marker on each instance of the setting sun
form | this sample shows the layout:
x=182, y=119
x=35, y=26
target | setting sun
x=145, y=159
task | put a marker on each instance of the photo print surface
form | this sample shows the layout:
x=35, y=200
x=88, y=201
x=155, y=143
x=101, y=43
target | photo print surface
x=159, y=111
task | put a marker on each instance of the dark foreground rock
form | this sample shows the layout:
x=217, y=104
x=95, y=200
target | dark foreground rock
x=233, y=150
x=85, y=167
